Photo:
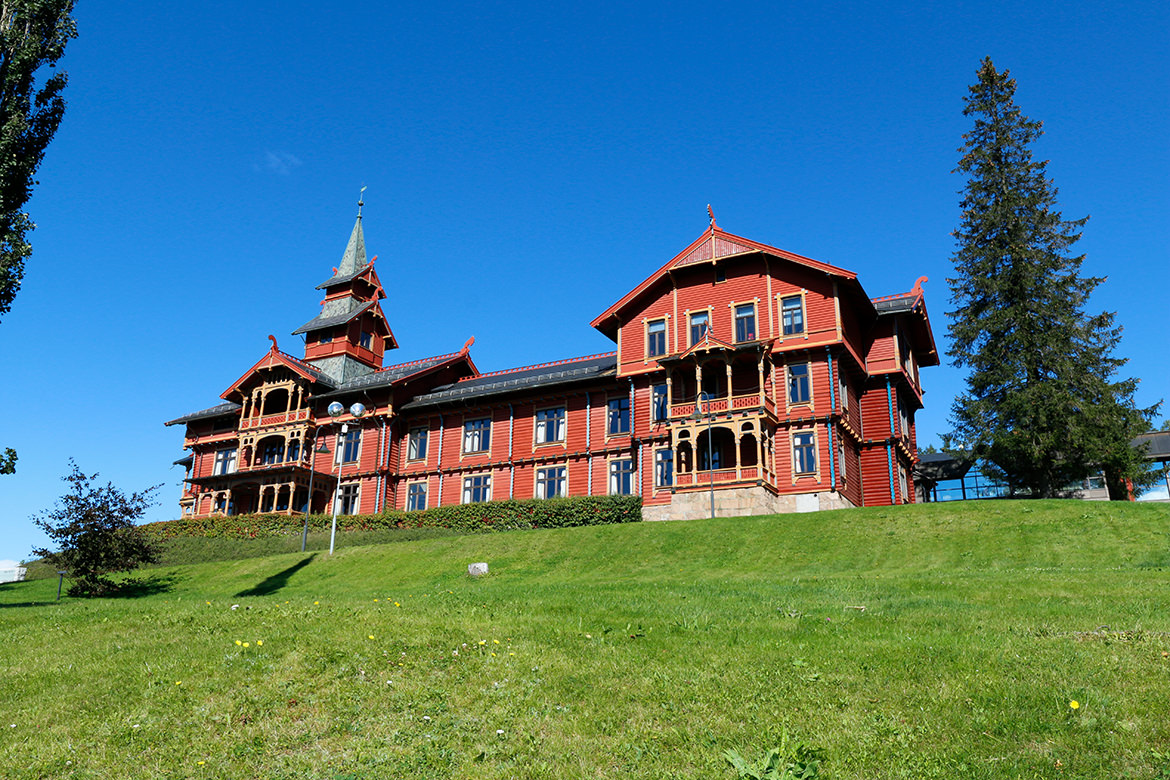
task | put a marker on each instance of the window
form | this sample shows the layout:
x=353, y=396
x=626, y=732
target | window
x=745, y=322
x=348, y=500
x=550, y=425
x=365, y=340
x=621, y=477
x=477, y=435
x=720, y=274
x=325, y=338
x=792, y=314
x=477, y=489
x=841, y=457
x=550, y=482
x=350, y=445
x=416, y=448
x=416, y=497
x=294, y=451
x=903, y=420
x=619, y=416
x=799, y=391
x=700, y=324
x=902, y=483
x=844, y=393
x=804, y=452
x=225, y=462
x=658, y=403
x=656, y=338
x=663, y=468
x=273, y=452
x=712, y=454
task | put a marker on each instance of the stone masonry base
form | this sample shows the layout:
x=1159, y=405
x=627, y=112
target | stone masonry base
x=737, y=502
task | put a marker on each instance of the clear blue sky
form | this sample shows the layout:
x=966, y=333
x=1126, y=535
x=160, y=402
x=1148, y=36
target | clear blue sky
x=527, y=164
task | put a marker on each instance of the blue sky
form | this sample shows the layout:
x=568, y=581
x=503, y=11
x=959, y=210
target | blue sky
x=527, y=165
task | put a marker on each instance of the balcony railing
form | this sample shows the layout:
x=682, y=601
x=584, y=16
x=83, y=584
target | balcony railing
x=716, y=405
x=274, y=419
x=723, y=477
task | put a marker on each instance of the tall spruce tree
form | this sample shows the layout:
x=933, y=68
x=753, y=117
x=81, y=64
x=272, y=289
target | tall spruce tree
x=1043, y=405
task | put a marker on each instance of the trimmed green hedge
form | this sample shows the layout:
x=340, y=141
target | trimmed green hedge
x=474, y=518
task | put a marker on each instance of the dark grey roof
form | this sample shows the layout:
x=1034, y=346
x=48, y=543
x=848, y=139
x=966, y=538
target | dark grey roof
x=1159, y=442
x=185, y=461
x=387, y=376
x=896, y=305
x=548, y=375
x=338, y=279
x=938, y=466
x=216, y=411
x=319, y=322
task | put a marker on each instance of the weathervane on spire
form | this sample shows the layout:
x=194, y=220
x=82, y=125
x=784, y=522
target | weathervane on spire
x=360, y=201
x=711, y=214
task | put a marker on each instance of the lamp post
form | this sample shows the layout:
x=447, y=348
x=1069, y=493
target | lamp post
x=336, y=409
x=313, y=453
x=710, y=448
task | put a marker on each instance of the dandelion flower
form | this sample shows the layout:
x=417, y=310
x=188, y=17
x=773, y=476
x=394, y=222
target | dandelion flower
x=178, y=682
x=511, y=654
x=495, y=641
x=493, y=655
x=397, y=604
x=375, y=601
x=483, y=641
x=209, y=603
x=238, y=642
x=259, y=642
x=371, y=636
x=1074, y=704
x=315, y=603
x=247, y=644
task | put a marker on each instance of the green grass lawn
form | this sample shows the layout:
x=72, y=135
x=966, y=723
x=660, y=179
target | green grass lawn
x=927, y=641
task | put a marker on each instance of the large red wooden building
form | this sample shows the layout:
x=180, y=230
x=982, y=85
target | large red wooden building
x=744, y=376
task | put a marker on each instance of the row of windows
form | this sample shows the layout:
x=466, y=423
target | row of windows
x=791, y=322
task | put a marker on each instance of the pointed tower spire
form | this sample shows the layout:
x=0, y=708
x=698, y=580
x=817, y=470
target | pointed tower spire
x=355, y=251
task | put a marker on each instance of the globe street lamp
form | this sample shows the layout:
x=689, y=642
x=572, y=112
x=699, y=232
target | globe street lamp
x=710, y=450
x=336, y=409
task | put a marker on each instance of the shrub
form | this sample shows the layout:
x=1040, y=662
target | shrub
x=475, y=518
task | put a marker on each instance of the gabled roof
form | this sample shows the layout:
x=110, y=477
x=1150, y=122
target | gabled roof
x=557, y=373
x=222, y=410
x=274, y=358
x=713, y=244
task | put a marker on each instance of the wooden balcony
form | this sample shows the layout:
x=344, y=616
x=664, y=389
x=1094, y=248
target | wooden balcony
x=717, y=405
x=723, y=478
x=252, y=423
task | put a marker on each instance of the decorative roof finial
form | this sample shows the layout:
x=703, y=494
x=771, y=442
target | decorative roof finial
x=273, y=340
x=711, y=214
x=360, y=201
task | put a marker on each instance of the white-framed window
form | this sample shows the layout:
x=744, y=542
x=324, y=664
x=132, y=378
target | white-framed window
x=618, y=416
x=804, y=452
x=550, y=425
x=477, y=489
x=792, y=314
x=366, y=339
x=416, y=448
x=902, y=483
x=225, y=462
x=745, y=322
x=799, y=386
x=658, y=410
x=700, y=322
x=621, y=477
x=663, y=468
x=903, y=420
x=348, y=499
x=656, y=337
x=351, y=444
x=550, y=482
x=841, y=457
x=416, y=497
x=477, y=435
x=844, y=393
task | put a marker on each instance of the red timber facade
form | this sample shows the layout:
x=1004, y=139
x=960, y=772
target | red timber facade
x=745, y=376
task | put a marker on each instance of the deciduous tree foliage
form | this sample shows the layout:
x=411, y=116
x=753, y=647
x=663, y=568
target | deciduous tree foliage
x=33, y=34
x=1043, y=405
x=95, y=529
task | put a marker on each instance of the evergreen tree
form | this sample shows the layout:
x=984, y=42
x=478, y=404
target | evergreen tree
x=1043, y=405
x=33, y=33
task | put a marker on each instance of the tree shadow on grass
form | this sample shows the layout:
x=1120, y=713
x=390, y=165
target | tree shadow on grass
x=276, y=581
x=137, y=587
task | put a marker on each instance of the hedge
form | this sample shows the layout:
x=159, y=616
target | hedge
x=474, y=518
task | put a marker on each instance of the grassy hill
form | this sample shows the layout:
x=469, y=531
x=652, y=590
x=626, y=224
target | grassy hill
x=927, y=641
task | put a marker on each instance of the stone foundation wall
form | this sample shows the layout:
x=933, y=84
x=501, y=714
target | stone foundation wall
x=738, y=502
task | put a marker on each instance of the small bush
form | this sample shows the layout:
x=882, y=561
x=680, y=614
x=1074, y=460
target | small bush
x=468, y=518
